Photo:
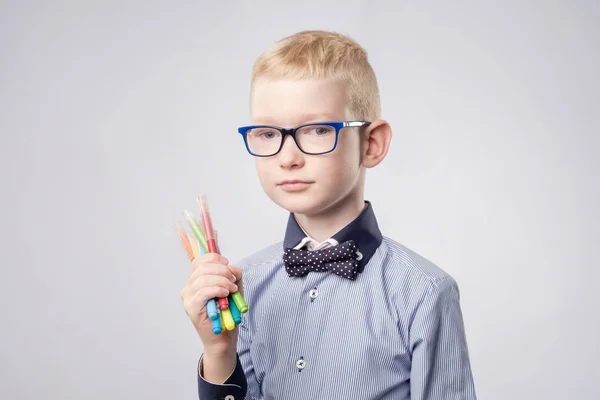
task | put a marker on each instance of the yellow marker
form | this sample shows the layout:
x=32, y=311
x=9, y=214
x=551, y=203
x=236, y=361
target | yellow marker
x=222, y=322
x=227, y=319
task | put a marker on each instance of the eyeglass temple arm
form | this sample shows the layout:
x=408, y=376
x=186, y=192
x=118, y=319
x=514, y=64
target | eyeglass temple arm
x=356, y=123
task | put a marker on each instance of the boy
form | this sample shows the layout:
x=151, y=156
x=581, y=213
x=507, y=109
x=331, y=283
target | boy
x=336, y=310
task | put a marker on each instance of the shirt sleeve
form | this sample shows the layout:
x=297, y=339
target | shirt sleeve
x=234, y=388
x=440, y=361
x=242, y=383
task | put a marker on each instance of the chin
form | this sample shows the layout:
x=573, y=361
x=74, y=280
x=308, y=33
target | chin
x=299, y=203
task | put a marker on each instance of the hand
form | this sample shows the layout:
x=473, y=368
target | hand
x=211, y=276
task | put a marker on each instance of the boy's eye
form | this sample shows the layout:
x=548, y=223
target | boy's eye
x=265, y=133
x=320, y=130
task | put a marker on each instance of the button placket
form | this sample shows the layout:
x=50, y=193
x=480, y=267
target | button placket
x=311, y=281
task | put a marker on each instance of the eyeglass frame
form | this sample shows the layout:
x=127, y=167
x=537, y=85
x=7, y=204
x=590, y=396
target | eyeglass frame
x=338, y=125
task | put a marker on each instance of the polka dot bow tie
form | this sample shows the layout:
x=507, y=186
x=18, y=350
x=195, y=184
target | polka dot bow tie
x=341, y=260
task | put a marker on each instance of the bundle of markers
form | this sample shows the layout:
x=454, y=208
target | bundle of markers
x=226, y=312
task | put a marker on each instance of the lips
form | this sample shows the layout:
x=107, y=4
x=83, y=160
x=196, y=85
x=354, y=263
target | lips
x=294, y=185
x=293, y=181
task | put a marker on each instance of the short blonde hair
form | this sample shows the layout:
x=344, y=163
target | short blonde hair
x=322, y=54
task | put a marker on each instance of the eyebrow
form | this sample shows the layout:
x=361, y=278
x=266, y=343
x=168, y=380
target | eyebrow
x=304, y=119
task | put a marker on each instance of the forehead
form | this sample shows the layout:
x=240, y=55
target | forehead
x=288, y=102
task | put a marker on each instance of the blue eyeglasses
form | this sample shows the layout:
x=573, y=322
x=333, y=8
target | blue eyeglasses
x=315, y=138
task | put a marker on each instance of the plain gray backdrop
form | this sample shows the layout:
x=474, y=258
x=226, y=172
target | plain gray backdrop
x=116, y=114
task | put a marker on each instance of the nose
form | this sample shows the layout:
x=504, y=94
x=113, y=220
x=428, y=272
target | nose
x=290, y=156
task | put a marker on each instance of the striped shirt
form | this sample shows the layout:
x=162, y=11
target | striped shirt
x=396, y=332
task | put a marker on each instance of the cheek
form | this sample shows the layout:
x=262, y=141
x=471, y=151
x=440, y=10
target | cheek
x=349, y=143
x=341, y=167
x=264, y=170
x=349, y=154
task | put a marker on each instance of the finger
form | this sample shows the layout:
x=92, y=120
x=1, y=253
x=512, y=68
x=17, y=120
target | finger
x=205, y=286
x=215, y=258
x=205, y=281
x=212, y=269
x=209, y=258
x=237, y=272
x=195, y=304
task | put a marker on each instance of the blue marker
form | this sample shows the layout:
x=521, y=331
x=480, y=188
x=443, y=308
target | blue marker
x=212, y=310
x=216, y=325
x=235, y=312
x=211, y=305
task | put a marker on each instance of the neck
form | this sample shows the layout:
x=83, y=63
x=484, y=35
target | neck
x=327, y=223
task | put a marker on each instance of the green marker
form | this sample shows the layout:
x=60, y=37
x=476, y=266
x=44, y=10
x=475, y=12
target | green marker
x=239, y=302
x=198, y=232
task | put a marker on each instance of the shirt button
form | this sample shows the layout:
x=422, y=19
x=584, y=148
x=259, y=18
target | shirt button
x=229, y=397
x=313, y=294
x=359, y=256
x=300, y=364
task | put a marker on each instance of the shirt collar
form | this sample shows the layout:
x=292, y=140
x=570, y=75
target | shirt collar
x=364, y=230
x=312, y=244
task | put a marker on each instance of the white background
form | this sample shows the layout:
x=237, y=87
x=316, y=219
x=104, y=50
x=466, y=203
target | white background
x=115, y=114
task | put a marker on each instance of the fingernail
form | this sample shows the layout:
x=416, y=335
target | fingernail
x=232, y=277
x=235, y=288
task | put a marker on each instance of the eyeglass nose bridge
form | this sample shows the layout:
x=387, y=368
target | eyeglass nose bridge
x=291, y=132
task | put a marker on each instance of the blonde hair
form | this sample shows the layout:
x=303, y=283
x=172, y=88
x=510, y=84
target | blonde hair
x=321, y=55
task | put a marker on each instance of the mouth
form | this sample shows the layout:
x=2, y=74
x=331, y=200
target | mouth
x=294, y=185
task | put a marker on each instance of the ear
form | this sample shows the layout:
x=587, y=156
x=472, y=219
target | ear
x=378, y=136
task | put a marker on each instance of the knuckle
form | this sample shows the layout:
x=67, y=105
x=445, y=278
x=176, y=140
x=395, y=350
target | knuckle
x=219, y=270
x=216, y=258
x=212, y=257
